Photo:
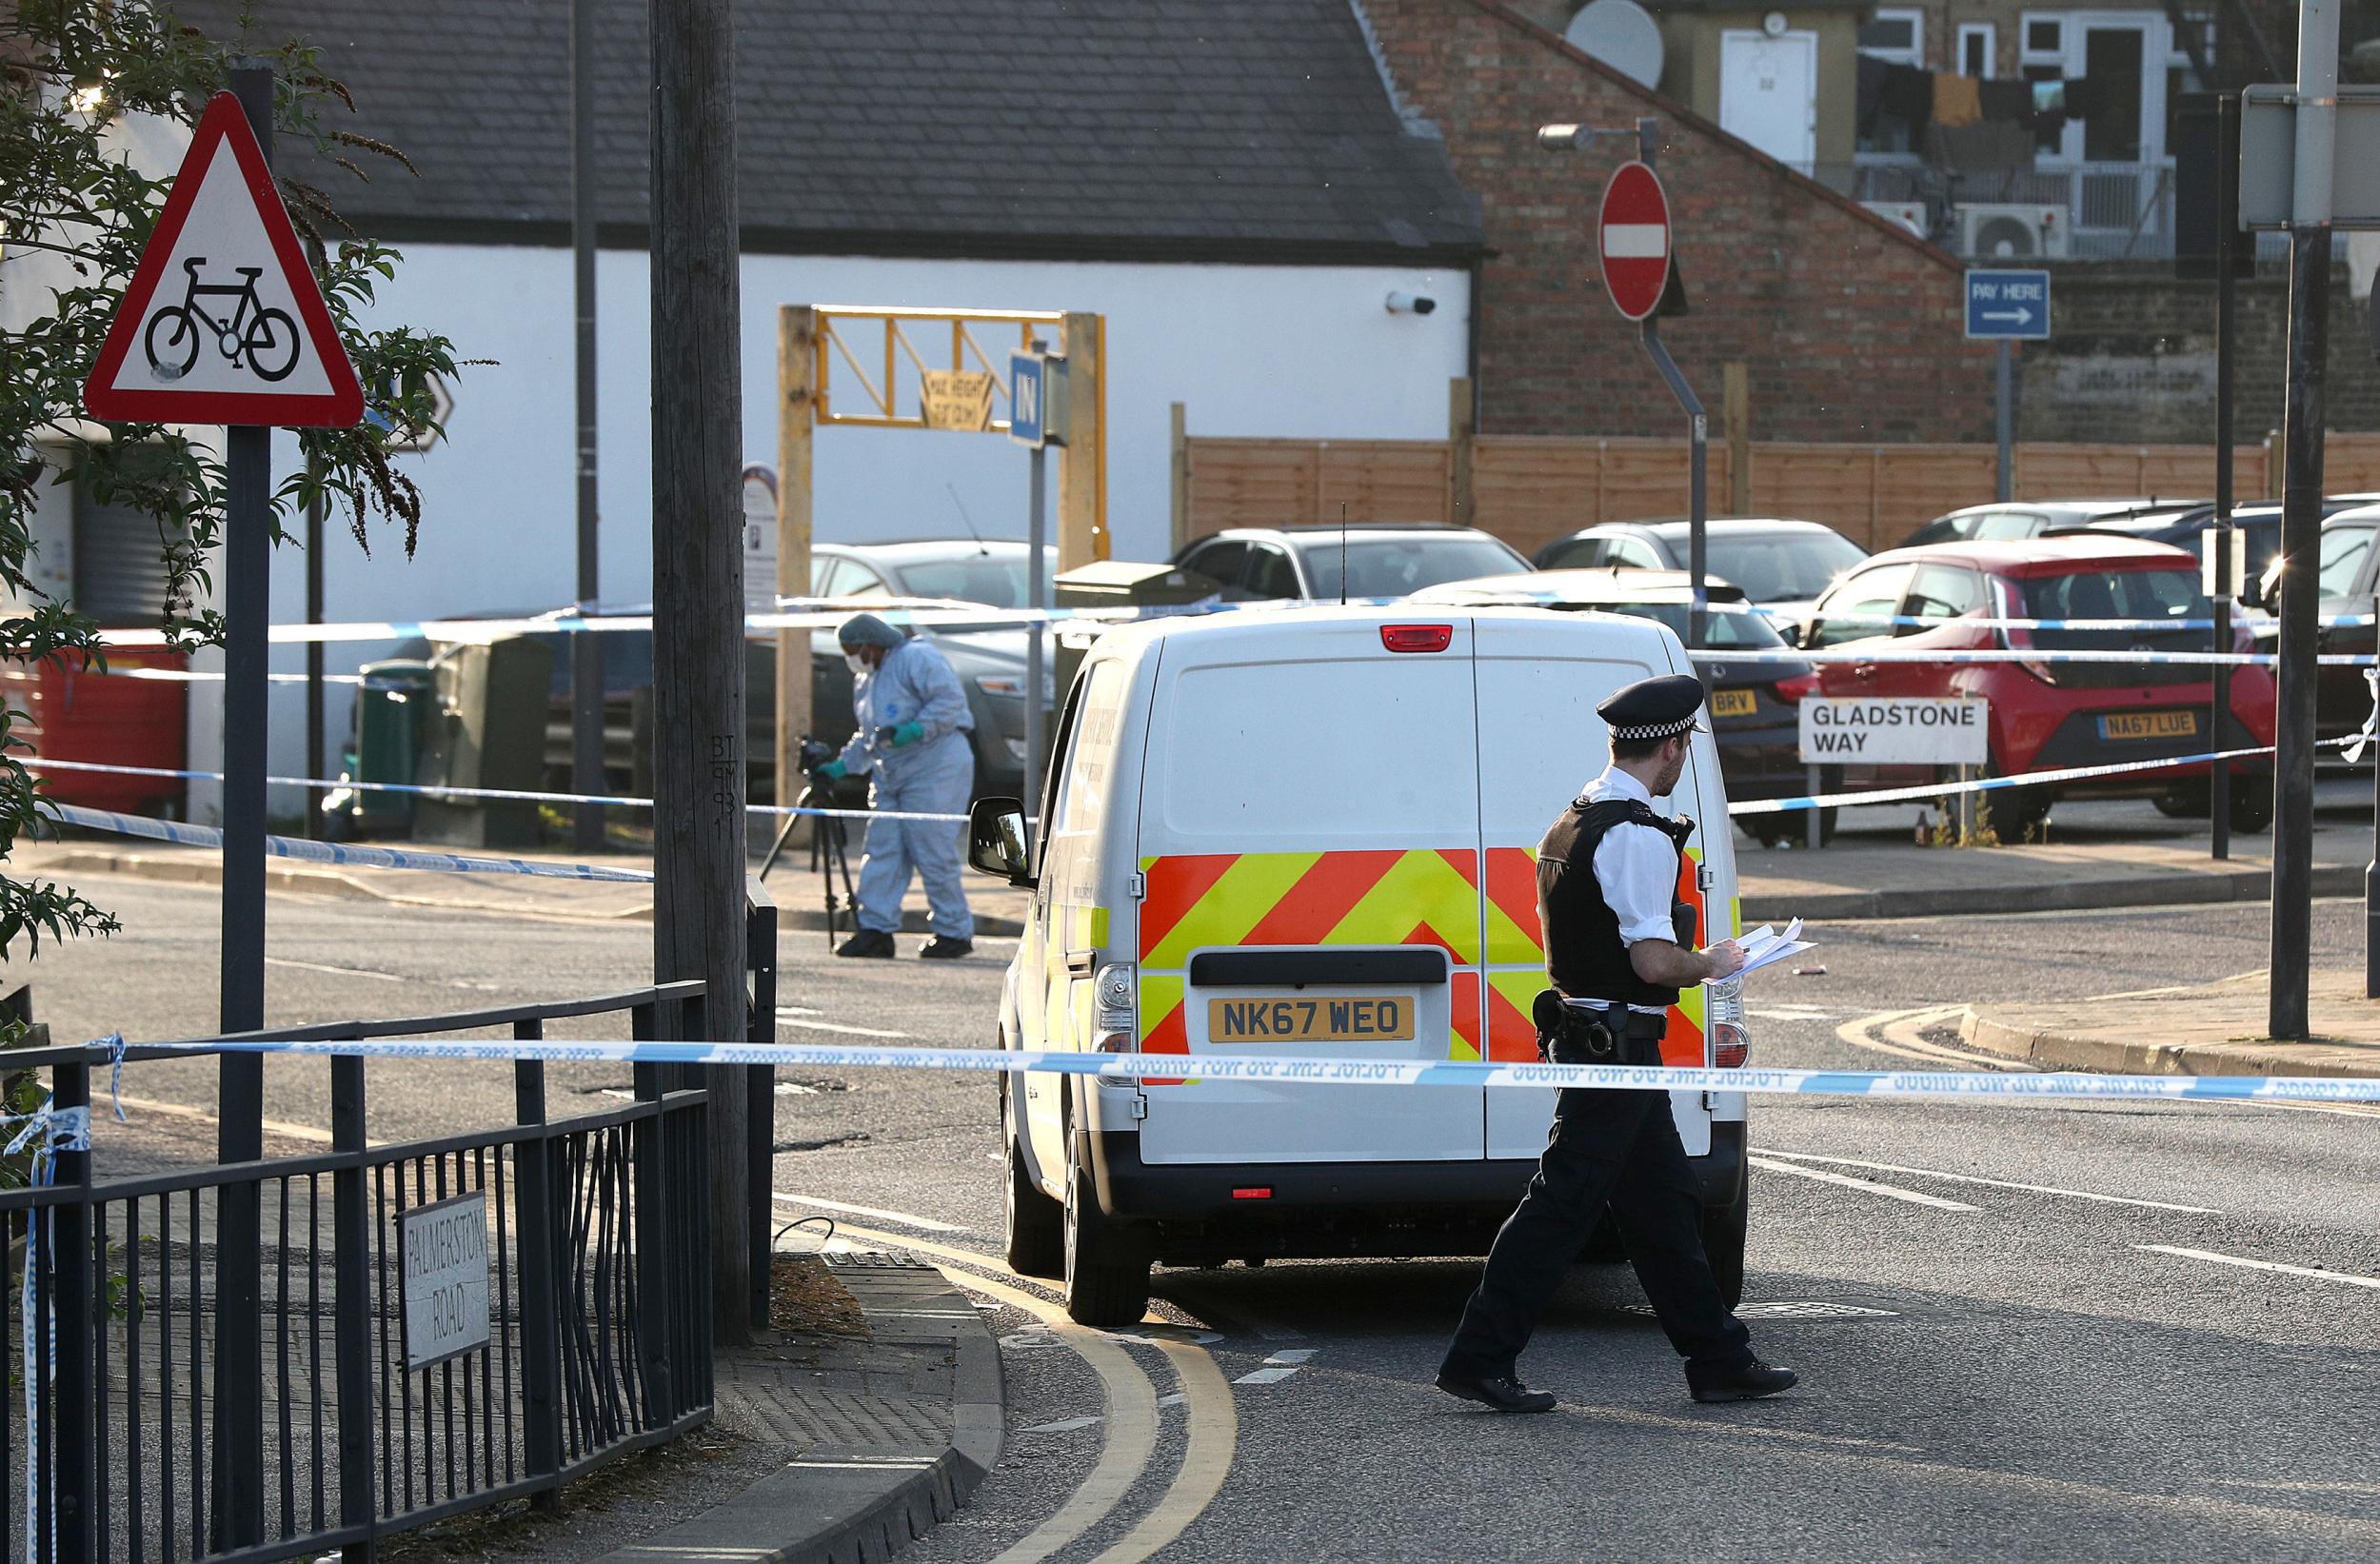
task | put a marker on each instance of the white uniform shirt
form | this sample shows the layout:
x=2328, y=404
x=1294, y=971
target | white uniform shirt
x=1637, y=867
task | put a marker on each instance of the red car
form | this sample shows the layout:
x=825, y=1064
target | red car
x=2048, y=716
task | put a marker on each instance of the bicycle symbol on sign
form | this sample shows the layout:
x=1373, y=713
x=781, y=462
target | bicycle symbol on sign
x=262, y=340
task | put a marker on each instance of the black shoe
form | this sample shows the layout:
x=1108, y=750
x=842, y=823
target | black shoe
x=941, y=949
x=1502, y=1392
x=872, y=943
x=1748, y=1383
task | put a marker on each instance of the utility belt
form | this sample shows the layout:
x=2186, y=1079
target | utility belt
x=1589, y=1032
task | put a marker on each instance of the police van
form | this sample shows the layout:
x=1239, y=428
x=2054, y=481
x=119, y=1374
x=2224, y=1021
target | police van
x=1312, y=832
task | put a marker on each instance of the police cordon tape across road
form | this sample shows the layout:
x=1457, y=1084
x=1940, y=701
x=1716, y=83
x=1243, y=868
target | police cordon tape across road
x=1130, y=1069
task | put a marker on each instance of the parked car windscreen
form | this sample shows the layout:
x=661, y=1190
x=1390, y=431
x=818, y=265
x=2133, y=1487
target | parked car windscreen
x=992, y=579
x=2111, y=594
x=1782, y=566
x=1728, y=627
x=1390, y=568
x=2344, y=551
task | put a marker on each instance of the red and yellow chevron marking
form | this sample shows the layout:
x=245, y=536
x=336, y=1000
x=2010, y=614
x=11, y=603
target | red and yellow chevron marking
x=1464, y=1004
x=1161, y=1021
x=1511, y=1033
x=1395, y=897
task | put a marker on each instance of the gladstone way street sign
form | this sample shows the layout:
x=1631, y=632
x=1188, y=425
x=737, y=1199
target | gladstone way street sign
x=1633, y=238
x=1896, y=730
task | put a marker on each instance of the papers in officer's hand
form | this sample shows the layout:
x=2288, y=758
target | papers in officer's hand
x=1765, y=946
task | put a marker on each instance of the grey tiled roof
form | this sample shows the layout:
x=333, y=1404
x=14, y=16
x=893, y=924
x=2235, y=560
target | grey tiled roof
x=1192, y=128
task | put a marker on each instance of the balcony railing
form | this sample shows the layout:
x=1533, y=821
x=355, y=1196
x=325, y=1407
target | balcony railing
x=2081, y=210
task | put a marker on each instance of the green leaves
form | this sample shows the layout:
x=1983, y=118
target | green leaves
x=75, y=210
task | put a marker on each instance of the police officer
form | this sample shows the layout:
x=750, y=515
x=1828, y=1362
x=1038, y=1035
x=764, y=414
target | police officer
x=1617, y=952
x=912, y=737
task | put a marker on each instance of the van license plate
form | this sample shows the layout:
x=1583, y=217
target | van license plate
x=2149, y=725
x=1381, y=1018
x=1732, y=704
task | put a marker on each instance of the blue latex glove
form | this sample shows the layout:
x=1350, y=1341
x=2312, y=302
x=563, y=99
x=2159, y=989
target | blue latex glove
x=833, y=770
x=907, y=733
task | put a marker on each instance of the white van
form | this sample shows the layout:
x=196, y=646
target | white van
x=1313, y=832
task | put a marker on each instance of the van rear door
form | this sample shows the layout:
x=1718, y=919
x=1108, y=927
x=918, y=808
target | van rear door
x=1309, y=837
x=1540, y=678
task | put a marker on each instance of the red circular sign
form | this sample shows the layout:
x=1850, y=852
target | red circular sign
x=1631, y=236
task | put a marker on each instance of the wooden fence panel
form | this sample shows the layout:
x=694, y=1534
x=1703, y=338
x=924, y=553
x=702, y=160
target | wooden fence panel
x=1280, y=482
x=1384, y=480
x=1529, y=491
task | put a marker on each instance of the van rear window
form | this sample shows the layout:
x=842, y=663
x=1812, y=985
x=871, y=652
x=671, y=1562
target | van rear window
x=1310, y=748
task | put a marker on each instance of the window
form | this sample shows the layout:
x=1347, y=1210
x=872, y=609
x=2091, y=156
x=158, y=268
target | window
x=1943, y=591
x=1633, y=554
x=1091, y=750
x=1785, y=567
x=2009, y=523
x=1895, y=35
x=1384, y=567
x=1577, y=554
x=1270, y=574
x=2046, y=36
x=857, y=581
x=1224, y=563
x=1977, y=44
x=2344, y=551
x=1862, y=606
x=2042, y=61
x=119, y=552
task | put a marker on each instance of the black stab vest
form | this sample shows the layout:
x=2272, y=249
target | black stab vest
x=1584, y=955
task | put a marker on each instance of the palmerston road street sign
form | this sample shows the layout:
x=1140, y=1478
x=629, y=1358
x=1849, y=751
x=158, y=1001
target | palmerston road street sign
x=223, y=322
x=1633, y=237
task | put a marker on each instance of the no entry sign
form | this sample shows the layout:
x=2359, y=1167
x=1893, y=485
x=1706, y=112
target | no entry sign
x=1633, y=237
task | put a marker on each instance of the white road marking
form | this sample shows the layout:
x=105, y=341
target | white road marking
x=1278, y=1367
x=1171, y=1398
x=924, y=1224
x=344, y=971
x=1900, y=1029
x=1869, y=1186
x=1065, y=1425
x=2348, y=1277
x=1994, y=1183
x=1791, y=1013
x=843, y=1031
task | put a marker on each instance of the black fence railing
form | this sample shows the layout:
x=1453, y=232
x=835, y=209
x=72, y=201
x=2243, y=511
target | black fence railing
x=368, y=1411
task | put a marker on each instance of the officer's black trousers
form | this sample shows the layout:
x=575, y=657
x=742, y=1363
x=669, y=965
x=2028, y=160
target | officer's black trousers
x=1619, y=1148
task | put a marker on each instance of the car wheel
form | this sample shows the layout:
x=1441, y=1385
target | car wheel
x=1107, y=1276
x=2187, y=799
x=1790, y=828
x=1035, y=1223
x=2251, y=803
x=2015, y=810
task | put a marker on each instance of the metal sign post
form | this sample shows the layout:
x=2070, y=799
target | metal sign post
x=190, y=344
x=2005, y=306
x=1032, y=376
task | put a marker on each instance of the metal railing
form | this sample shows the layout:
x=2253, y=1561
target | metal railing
x=121, y=1441
x=2102, y=210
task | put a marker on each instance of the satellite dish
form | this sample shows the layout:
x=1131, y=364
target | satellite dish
x=1623, y=35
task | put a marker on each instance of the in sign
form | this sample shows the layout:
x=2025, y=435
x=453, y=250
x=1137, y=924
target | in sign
x=1633, y=237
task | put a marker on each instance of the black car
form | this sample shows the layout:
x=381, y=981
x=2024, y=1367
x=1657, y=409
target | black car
x=1776, y=562
x=1324, y=563
x=1754, y=705
x=2350, y=576
x=2003, y=521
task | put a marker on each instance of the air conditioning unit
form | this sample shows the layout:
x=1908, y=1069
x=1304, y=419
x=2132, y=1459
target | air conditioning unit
x=2019, y=230
x=1909, y=214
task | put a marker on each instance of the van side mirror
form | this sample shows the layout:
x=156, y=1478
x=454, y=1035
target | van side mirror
x=995, y=841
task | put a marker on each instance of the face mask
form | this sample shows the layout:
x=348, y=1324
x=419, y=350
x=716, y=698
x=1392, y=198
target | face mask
x=857, y=662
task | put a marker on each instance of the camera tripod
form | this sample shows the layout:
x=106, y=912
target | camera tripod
x=830, y=855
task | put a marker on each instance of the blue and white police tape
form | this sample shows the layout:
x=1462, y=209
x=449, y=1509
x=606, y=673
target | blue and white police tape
x=1987, y=784
x=512, y=795
x=335, y=852
x=1125, y=1069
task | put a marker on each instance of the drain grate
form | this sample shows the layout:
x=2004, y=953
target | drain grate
x=1782, y=1310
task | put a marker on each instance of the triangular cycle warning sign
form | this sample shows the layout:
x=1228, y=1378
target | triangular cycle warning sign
x=223, y=322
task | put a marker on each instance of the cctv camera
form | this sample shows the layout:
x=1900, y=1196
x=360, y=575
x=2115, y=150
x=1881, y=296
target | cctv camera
x=1415, y=303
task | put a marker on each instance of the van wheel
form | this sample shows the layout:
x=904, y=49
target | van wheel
x=1107, y=1279
x=1035, y=1223
x=1723, y=1231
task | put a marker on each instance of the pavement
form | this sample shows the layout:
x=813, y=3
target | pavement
x=2207, y=1029
x=885, y=1435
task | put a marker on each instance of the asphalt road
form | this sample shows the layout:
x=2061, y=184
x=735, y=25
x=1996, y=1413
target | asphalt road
x=2038, y=1331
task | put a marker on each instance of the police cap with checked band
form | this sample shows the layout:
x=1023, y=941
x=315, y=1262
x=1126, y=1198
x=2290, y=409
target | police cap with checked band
x=1653, y=709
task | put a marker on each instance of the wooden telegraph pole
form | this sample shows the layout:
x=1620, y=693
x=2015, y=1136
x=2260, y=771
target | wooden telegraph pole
x=698, y=585
x=1083, y=476
x=797, y=419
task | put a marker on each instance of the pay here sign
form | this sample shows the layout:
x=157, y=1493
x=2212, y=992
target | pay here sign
x=1895, y=730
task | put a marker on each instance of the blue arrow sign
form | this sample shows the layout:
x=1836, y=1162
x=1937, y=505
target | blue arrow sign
x=2007, y=304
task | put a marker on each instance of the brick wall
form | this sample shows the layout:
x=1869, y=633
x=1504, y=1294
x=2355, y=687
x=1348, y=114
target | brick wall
x=2133, y=358
x=1851, y=329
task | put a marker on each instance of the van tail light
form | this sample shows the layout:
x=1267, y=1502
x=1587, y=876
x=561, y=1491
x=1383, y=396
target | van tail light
x=1116, y=1010
x=1799, y=688
x=1416, y=637
x=2013, y=606
x=1730, y=1041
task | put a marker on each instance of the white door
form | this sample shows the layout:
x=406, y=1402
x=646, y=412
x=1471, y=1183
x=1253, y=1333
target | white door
x=1769, y=93
x=1540, y=678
